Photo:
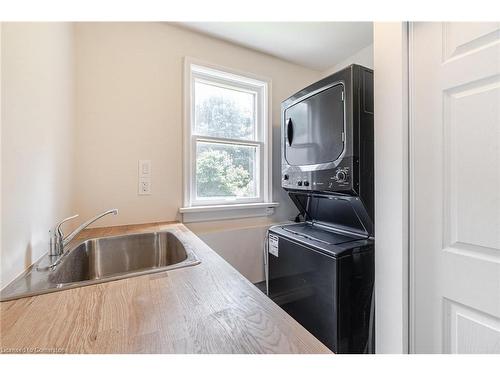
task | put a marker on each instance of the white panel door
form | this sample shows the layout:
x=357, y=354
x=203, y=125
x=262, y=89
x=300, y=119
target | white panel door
x=455, y=187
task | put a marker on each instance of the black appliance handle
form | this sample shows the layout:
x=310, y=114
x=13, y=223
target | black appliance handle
x=289, y=131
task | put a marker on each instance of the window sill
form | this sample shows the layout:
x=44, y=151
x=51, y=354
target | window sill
x=224, y=212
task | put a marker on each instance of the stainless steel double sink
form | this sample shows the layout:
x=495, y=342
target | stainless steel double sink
x=103, y=259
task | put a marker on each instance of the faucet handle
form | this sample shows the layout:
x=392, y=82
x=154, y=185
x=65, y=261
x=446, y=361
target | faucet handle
x=58, y=229
x=56, y=237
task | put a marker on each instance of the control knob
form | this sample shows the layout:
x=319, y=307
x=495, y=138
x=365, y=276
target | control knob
x=341, y=176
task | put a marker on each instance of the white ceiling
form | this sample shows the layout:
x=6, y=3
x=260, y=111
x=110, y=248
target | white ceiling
x=316, y=45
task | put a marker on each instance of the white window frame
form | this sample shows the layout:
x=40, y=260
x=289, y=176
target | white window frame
x=197, y=209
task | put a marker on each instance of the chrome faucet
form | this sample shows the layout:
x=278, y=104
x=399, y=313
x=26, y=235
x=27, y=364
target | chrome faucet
x=57, y=239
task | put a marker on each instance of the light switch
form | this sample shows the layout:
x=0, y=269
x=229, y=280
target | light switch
x=144, y=168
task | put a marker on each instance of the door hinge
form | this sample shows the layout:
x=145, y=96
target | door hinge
x=342, y=96
x=343, y=137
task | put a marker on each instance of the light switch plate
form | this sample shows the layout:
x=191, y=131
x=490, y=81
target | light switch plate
x=144, y=168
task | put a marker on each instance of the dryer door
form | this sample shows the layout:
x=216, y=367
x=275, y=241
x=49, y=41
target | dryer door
x=313, y=128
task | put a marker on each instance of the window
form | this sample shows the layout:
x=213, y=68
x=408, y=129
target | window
x=227, y=140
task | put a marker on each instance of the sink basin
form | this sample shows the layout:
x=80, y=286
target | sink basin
x=104, y=259
x=101, y=258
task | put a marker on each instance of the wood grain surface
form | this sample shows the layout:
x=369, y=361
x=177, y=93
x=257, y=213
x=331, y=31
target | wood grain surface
x=207, y=308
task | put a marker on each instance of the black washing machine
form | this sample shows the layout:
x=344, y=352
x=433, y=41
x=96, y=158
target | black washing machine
x=322, y=275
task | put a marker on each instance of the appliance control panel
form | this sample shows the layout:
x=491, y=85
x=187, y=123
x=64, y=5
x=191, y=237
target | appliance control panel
x=336, y=179
x=297, y=180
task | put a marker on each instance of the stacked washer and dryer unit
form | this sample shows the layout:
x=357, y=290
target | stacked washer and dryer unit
x=321, y=269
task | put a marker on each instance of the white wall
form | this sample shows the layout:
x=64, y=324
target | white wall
x=243, y=248
x=37, y=138
x=129, y=107
x=127, y=95
x=121, y=83
x=391, y=187
x=362, y=57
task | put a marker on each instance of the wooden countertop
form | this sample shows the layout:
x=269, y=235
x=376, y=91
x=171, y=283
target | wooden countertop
x=207, y=308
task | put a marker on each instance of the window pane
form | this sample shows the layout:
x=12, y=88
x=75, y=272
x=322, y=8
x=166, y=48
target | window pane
x=224, y=170
x=224, y=113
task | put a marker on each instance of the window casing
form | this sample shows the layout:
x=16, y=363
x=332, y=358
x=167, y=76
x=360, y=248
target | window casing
x=227, y=139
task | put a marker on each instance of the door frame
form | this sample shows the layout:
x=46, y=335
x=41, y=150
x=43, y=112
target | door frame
x=393, y=260
x=411, y=202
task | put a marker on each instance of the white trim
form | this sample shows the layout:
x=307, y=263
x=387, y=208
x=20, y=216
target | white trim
x=263, y=142
x=186, y=132
x=391, y=187
x=224, y=212
x=229, y=141
x=207, y=66
x=411, y=198
x=226, y=207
